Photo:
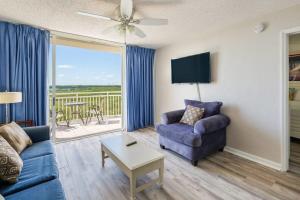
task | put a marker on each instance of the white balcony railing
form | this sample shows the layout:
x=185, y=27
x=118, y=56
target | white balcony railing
x=109, y=102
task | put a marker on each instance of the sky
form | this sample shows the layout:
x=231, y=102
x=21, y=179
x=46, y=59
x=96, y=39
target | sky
x=77, y=66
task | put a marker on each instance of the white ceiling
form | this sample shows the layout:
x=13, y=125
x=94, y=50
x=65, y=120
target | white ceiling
x=187, y=18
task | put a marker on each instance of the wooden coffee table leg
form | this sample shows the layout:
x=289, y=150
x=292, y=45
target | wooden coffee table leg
x=102, y=156
x=132, y=178
x=161, y=172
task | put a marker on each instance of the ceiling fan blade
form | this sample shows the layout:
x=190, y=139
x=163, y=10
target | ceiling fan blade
x=152, y=22
x=150, y=2
x=138, y=32
x=126, y=8
x=111, y=29
x=94, y=15
x=112, y=1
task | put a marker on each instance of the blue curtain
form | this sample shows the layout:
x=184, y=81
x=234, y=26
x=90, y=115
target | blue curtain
x=139, y=65
x=23, y=67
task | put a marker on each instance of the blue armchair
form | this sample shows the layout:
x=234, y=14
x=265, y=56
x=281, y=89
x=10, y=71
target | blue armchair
x=207, y=136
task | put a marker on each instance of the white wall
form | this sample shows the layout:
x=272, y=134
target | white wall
x=246, y=78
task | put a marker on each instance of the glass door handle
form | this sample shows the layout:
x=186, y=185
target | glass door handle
x=53, y=101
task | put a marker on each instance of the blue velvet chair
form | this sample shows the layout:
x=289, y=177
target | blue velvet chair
x=207, y=136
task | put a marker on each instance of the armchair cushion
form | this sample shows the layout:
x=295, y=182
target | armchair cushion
x=211, y=108
x=172, y=117
x=211, y=124
x=180, y=133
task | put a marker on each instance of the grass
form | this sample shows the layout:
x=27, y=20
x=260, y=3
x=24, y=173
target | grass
x=86, y=88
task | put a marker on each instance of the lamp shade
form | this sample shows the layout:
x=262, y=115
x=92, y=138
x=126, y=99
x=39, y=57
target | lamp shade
x=10, y=97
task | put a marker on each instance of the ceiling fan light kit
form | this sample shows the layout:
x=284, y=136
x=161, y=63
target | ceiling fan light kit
x=126, y=21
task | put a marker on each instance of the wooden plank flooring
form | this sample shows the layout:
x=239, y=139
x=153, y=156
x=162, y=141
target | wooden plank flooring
x=220, y=176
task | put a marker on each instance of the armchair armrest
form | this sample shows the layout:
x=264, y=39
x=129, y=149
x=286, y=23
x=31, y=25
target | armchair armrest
x=211, y=124
x=172, y=117
x=38, y=133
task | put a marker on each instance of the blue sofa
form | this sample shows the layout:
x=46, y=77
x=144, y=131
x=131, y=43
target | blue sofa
x=39, y=176
x=207, y=136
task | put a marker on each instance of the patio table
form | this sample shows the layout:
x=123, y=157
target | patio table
x=78, y=109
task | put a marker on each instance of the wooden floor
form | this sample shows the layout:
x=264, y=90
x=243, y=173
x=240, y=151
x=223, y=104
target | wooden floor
x=295, y=157
x=220, y=176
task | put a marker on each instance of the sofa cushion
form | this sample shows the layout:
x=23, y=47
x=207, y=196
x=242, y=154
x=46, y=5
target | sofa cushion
x=38, y=133
x=10, y=162
x=45, y=191
x=211, y=108
x=38, y=149
x=181, y=133
x=15, y=136
x=35, y=171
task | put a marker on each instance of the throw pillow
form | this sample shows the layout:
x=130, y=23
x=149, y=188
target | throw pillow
x=192, y=115
x=211, y=108
x=15, y=136
x=10, y=162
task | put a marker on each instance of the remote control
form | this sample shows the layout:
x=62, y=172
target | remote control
x=131, y=143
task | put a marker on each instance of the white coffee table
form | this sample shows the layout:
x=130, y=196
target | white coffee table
x=134, y=161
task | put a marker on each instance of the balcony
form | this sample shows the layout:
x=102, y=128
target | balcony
x=86, y=113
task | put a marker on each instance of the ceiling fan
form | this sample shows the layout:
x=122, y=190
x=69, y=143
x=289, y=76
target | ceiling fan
x=126, y=21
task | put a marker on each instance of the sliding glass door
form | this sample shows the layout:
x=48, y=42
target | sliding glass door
x=85, y=94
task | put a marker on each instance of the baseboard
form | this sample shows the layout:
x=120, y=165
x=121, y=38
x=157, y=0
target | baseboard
x=254, y=158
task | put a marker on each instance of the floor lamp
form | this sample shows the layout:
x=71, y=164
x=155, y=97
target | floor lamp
x=8, y=98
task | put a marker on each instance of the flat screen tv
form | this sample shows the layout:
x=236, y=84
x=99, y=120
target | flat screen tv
x=191, y=69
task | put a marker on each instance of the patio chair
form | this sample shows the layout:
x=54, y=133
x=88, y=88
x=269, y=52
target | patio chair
x=60, y=116
x=95, y=110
